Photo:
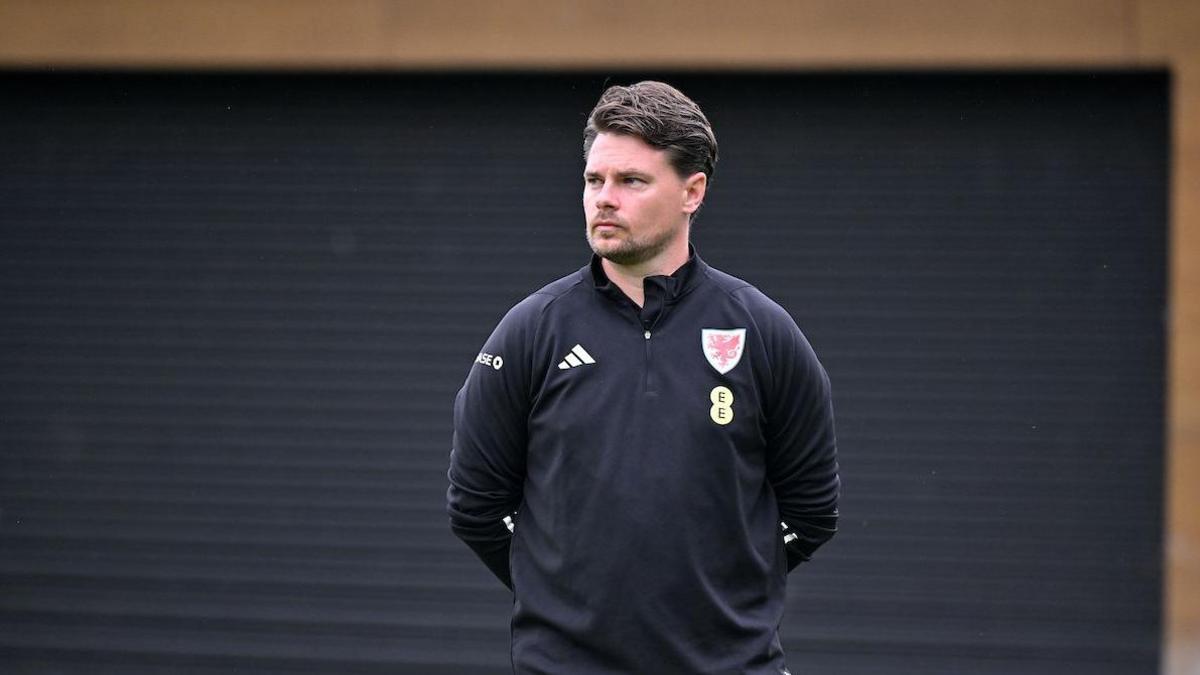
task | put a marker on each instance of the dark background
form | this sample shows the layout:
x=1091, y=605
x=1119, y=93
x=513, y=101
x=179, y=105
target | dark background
x=234, y=311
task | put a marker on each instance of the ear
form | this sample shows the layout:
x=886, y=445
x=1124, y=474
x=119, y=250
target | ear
x=694, y=188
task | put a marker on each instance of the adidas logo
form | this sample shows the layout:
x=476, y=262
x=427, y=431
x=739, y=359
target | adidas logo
x=578, y=356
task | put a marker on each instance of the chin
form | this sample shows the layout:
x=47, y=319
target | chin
x=623, y=256
x=605, y=245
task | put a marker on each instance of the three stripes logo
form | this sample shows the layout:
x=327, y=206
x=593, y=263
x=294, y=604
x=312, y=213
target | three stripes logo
x=578, y=356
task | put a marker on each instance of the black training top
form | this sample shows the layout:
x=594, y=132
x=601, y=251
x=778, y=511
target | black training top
x=650, y=456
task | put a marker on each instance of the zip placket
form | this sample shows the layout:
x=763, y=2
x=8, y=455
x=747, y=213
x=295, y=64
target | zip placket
x=653, y=297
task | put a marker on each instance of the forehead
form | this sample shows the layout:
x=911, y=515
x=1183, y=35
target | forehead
x=620, y=152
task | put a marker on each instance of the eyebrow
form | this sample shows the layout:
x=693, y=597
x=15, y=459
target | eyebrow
x=625, y=173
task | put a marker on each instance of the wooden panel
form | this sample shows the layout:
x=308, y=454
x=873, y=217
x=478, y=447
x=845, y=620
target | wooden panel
x=771, y=34
x=304, y=33
x=547, y=33
x=1167, y=32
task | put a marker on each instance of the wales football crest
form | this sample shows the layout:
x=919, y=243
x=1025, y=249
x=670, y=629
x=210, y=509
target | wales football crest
x=723, y=348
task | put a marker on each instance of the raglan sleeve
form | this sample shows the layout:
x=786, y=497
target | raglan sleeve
x=802, y=464
x=487, y=456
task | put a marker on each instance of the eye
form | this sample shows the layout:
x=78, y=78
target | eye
x=591, y=180
x=634, y=180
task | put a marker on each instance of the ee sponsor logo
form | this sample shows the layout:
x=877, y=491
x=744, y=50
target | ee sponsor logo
x=721, y=411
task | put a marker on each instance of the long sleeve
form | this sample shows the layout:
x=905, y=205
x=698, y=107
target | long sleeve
x=802, y=462
x=487, y=458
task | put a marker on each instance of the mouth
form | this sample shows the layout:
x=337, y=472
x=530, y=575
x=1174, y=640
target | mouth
x=605, y=226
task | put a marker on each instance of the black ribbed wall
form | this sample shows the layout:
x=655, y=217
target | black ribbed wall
x=234, y=311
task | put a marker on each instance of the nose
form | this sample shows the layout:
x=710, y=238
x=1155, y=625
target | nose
x=606, y=199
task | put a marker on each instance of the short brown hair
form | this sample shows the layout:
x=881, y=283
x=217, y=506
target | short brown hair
x=663, y=117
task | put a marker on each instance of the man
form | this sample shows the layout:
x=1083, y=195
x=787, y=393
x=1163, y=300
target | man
x=645, y=448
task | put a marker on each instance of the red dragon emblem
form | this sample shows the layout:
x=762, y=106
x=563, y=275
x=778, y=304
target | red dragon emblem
x=723, y=348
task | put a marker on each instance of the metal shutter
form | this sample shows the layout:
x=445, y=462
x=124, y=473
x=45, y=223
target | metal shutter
x=235, y=309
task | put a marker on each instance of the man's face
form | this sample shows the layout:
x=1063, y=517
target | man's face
x=636, y=205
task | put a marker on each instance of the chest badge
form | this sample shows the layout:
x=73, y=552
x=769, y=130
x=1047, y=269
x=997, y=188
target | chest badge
x=723, y=348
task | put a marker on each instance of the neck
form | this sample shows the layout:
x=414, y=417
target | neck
x=629, y=277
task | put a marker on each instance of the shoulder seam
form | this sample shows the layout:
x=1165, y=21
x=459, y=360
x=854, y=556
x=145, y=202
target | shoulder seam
x=555, y=296
x=730, y=291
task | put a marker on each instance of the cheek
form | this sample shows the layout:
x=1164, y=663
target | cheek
x=662, y=207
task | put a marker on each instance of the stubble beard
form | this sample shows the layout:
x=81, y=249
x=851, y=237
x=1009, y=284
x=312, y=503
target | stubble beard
x=627, y=251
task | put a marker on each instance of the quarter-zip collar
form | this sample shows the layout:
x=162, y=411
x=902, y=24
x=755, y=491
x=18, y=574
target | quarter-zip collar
x=669, y=288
